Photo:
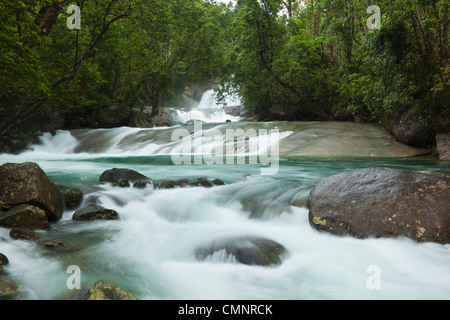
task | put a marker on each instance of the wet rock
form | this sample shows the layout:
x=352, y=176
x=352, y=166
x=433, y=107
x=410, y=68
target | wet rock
x=117, y=115
x=345, y=139
x=103, y=290
x=3, y=260
x=22, y=234
x=139, y=119
x=206, y=183
x=260, y=208
x=94, y=212
x=160, y=121
x=92, y=199
x=58, y=245
x=72, y=197
x=414, y=128
x=25, y=215
x=123, y=183
x=246, y=250
x=183, y=183
x=443, y=146
x=142, y=183
x=8, y=289
x=343, y=115
x=168, y=184
x=383, y=202
x=28, y=183
x=123, y=177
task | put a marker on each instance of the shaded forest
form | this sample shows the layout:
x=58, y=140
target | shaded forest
x=288, y=60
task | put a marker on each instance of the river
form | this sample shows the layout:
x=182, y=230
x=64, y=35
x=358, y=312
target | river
x=149, y=252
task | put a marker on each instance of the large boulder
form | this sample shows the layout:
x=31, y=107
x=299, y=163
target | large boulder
x=24, y=215
x=413, y=128
x=443, y=146
x=94, y=212
x=28, y=183
x=160, y=121
x=103, y=290
x=246, y=250
x=383, y=202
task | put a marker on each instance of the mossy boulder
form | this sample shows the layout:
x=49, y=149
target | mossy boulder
x=103, y=290
x=24, y=215
x=247, y=250
x=3, y=260
x=383, y=203
x=95, y=212
x=22, y=234
x=8, y=289
x=27, y=183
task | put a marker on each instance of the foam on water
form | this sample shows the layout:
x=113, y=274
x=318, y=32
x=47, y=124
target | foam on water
x=150, y=250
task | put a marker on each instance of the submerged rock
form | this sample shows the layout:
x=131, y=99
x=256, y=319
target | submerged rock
x=58, y=245
x=246, y=250
x=24, y=215
x=94, y=212
x=103, y=290
x=28, y=183
x=22, y=234
x=383, y=202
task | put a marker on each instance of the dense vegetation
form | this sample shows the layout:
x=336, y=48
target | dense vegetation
x=288, y=59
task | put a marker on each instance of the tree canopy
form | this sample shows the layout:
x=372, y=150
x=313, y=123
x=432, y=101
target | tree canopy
x=288, y=59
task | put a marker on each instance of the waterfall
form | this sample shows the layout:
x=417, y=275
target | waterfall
x=208, y=110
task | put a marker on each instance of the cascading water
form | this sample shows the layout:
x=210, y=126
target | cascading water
x=149, y=252
x=208, y=110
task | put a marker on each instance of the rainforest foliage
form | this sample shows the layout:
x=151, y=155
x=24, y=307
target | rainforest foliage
x=288, y=59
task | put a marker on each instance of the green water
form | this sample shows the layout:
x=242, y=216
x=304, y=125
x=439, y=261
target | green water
x=150, y=250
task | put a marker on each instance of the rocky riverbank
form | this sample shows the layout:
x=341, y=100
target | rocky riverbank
x=30, y=201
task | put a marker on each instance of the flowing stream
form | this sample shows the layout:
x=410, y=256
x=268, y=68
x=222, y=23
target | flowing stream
x=149, y=252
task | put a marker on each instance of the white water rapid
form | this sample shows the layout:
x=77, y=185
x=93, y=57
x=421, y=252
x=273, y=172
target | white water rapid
x=208, y=110
x=149, y=251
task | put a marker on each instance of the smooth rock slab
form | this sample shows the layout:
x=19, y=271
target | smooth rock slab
x=383, y=202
